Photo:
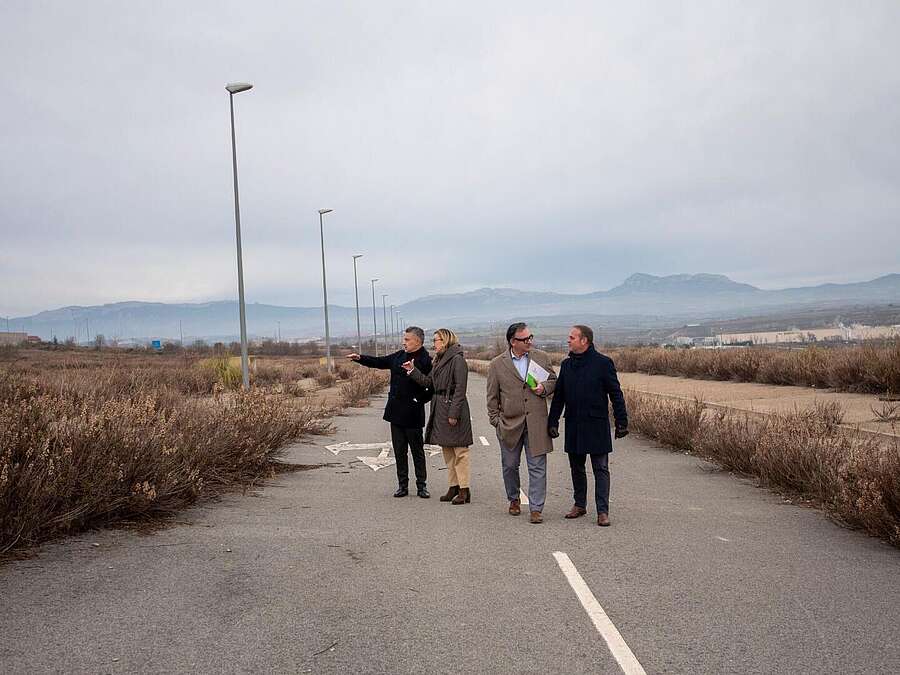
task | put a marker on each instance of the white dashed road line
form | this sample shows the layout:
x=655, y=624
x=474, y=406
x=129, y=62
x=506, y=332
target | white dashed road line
x=523, y=498
x=614, y=640
x=484, y=441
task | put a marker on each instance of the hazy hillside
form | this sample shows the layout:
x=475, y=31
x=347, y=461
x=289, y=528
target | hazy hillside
x=648, y=300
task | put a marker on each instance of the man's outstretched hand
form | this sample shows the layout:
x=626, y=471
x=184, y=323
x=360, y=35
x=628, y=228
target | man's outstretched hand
x=353, y=357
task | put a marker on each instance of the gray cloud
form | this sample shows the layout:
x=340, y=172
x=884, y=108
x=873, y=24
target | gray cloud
x=547, y=147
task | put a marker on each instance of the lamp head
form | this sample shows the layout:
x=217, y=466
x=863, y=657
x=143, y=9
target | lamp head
x=322, y=212
x=238, y=87
x=358, y=255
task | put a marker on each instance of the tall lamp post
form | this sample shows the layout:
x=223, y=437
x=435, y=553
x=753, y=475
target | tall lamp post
x=399, y=325
x=393, y=330
x=322, y=213
x=232, y=89
x=384, y=312
x=356, y=291
x=374, y=319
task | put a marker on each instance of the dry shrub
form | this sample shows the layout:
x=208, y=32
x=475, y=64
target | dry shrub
x=478, y=366
x=870, y=368
x=309, y=370
x=355, y=392
x=854, y=475
x=228, y=374
x=77, y=452
x=344, y=371
x=669, y=421
x=324, y=378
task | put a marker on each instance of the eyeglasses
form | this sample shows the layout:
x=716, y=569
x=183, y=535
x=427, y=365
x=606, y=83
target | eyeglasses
x=530, y=338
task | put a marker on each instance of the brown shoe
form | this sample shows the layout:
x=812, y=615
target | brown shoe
x=576, y=512
x=464, y=497
x=536, y=517
x=515, y=507
x=451, y=493
x=603, y=519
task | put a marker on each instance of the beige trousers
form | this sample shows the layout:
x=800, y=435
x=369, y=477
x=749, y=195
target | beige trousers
x=457, y=461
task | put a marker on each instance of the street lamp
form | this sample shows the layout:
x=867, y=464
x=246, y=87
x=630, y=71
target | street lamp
x=232, y=89
x=384, y=312
x=356, y=291
x=393, y=330
x=374, y=319
x=399, y=327
x=322, y=212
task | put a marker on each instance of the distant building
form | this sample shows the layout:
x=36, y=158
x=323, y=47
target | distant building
x=840, y=334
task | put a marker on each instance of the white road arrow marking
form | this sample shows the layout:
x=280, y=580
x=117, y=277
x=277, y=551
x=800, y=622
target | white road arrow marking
x=376, y=463
x=335, y=448
x=346, y=445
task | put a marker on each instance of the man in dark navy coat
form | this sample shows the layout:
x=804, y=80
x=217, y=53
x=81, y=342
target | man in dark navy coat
x=587, y=381
x=405, y=408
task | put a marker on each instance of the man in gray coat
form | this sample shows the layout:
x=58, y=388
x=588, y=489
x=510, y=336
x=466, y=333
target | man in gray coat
x=519, y=413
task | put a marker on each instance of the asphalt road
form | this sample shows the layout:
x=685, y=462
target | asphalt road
x=325, y=572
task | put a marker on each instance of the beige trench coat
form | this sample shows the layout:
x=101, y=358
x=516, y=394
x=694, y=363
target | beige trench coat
x=511, y=403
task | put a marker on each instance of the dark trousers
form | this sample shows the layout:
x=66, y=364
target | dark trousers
x=403, y=439
x=600, y=465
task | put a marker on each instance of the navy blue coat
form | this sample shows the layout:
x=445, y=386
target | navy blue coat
x=404, y=405
x=585, y=385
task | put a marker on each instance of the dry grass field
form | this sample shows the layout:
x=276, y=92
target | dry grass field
x=868, y=369
x=92, y=438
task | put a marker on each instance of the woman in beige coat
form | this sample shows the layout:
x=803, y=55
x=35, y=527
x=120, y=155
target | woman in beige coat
x=450, y=423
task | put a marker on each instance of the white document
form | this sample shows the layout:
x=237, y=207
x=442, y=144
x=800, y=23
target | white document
x=535, y=374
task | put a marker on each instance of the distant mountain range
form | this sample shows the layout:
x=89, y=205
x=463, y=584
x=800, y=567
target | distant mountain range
x=643, y=297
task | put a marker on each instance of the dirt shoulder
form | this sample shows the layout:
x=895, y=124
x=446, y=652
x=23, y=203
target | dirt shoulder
x=763, y=398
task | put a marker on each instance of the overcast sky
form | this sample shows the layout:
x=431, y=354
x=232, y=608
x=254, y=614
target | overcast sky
x=537, y=145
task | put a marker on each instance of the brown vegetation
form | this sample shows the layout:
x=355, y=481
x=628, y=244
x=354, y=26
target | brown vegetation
x=873, y=368
x=356, y=391
x=854, y=475
x=87, y=439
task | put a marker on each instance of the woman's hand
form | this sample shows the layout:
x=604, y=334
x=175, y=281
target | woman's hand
x=452, y=421
x=408, y=366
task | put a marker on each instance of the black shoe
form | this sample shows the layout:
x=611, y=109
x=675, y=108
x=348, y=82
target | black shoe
x=401, y=492
x=423, y=493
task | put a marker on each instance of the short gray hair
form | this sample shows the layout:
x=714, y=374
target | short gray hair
x=418, y=332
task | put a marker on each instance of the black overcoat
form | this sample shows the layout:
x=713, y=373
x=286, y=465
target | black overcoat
x=404, y=405
x=584, y=387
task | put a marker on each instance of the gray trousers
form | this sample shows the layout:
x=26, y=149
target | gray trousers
x=510, y=459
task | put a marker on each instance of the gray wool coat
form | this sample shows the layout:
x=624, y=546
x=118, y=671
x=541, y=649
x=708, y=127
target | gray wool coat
x=448, y=378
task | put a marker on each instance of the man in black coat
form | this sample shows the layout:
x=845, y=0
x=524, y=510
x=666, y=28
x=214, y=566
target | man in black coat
x=587, y=381
x=405, y=408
